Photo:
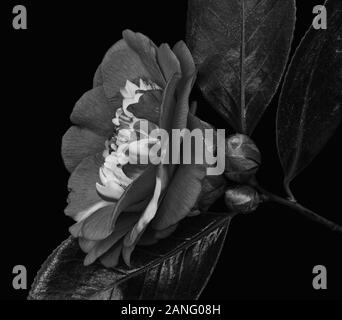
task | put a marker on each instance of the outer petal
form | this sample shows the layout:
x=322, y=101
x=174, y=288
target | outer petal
x=132, y=238
x=137, y=192
x=97, y=226
x=168, y=61
x=79, y=143
x=131, y=58
x=183, y=54
x=111, y=258
x=94, y=112
x=183, y=191
x=120, y=64
x=86, y=245
x=146, y=50
x=83, y=194
x=185, y=58
x=123, y=225
x=181, y=196
x=98, y=78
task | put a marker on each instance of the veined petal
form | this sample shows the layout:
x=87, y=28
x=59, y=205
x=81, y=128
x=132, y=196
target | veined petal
x=97, y=226
x=89, y=211
x=78, y=144
x=146, y=50
x=131, y=238
x=83, y=194
x=123, y=225
x=98, y=79
x=94, y=112
x=119, y=64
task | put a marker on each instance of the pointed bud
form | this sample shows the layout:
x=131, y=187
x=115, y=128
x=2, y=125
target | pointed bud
x=242, y=158
x=242, y=199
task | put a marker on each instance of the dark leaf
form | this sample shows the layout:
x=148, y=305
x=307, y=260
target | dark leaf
x=241, y=48
x=177, y=267
x=311, y=99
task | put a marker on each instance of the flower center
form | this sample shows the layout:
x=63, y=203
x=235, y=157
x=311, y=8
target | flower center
x=130, y=141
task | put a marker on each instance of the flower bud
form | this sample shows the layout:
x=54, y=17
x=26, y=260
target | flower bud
x=242, y=199
x=242, y=158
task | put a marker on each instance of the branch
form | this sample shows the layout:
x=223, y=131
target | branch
x=268, y=196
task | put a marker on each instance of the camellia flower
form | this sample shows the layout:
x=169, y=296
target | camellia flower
x=117, y=204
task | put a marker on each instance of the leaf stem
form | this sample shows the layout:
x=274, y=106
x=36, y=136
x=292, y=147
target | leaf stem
x=289, y=192
x=268, y=196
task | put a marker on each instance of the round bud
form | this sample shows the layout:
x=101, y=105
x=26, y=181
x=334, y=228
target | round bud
x=242, y=199
x=242, y=158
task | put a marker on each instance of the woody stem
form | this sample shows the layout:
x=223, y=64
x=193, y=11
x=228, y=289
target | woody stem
x=268, y=196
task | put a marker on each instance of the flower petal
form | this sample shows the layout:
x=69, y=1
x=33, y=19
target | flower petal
x=98, y=78
x=111, y=258
x=185, y=58
x=168, y=61
x=148, y=106
x=167, y=107
x=132, y=238
x=153, y=236
x=98, y=225
x=140, y=189
x=147, y=52
x=94, y=112
x=81, y=184
x=183, y=191
x=131, y=58
x=123, y=225
x=111, y=190
x=180, y=196
x=183, y=54
x=120, y=64
x=86, y=245
x=78, y=144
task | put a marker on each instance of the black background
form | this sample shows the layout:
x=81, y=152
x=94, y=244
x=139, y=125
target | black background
x=269, y=254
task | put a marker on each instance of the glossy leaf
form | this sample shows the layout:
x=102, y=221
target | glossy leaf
x=310, y=106
x=240, y=48
x=177, y=267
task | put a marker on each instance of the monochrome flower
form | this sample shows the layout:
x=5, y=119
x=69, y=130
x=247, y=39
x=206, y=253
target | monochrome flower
x=117, y=201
